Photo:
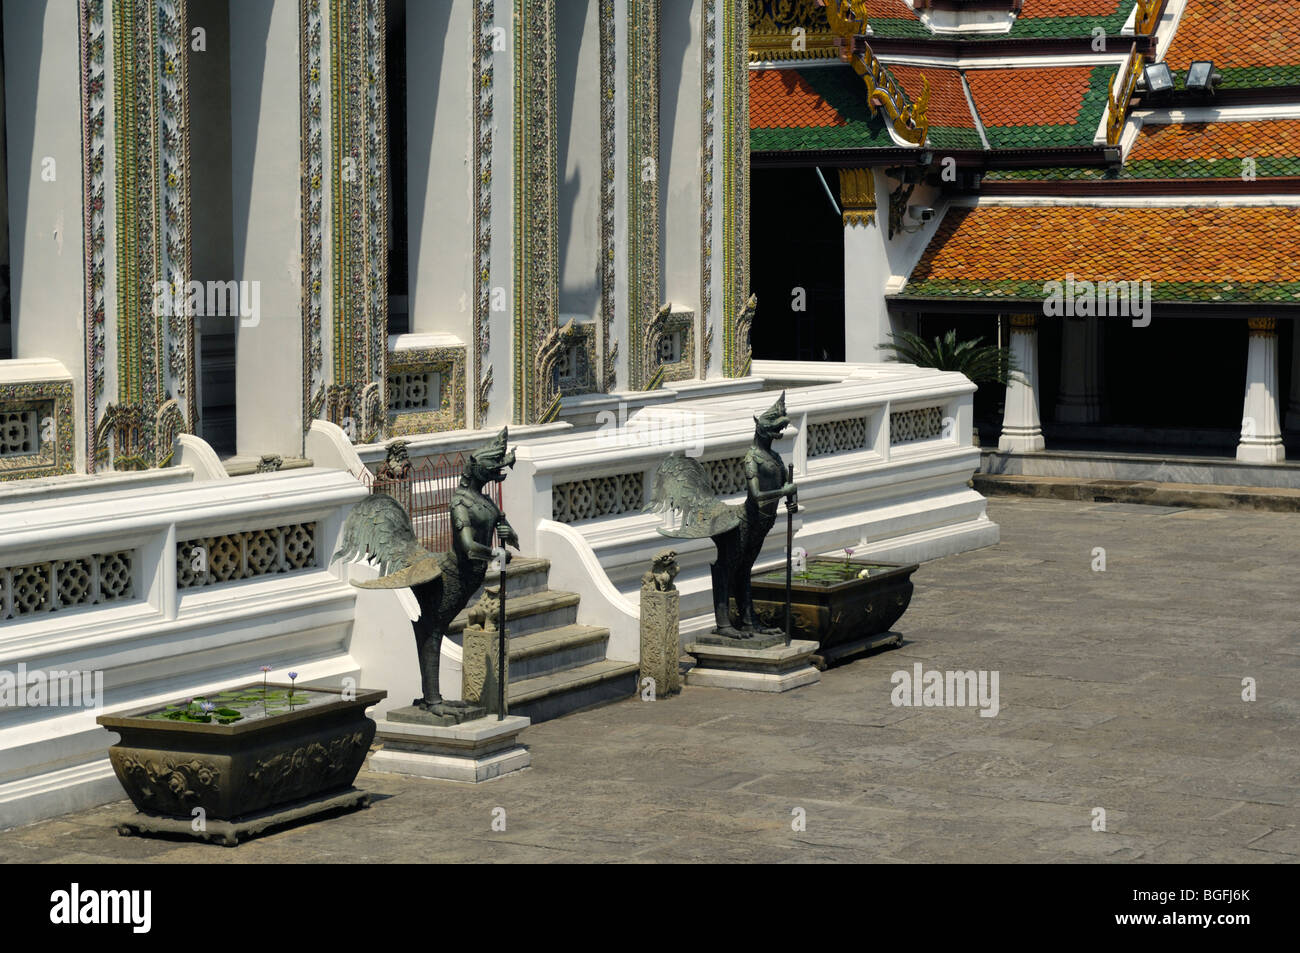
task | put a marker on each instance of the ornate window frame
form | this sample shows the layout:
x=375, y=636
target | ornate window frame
x=51, y=400
x=449, y=363
x=682, y=322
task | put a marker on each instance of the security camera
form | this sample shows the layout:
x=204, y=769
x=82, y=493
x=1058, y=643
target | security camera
x=920, y=213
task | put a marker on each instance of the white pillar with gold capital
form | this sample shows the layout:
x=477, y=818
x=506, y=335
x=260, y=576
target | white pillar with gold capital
x=865, y=323
x=1022, y=427
x=1261, y=431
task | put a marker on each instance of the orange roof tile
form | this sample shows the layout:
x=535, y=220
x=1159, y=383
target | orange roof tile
x=1217, y=140
x=1002, y=243
x=782, y=99
x=888, y=10
x=1067, y=8
x=948, y=105
x=1237, y=33
x=1029, y=96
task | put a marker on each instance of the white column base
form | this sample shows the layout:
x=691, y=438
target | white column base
x=1261, y=440
x=1261, y=453
x=1021, y=442
x=1022, y=427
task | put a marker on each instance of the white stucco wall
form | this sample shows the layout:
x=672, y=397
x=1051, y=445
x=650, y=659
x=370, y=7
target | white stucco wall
x=439, y=159
x=872, y=259
x=679, y=152
x=43, y=129
x=265, y=198
x=577, y=44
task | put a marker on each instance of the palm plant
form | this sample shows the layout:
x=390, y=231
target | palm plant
x=982, y=363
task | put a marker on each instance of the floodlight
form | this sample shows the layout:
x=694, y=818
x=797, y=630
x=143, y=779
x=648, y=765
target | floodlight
x=1158, y=79
x=1201, y=77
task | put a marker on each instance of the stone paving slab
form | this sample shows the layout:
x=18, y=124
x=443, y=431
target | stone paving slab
x=1118, y=689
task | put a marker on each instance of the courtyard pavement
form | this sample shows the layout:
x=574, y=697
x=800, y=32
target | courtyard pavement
x=1119, y=690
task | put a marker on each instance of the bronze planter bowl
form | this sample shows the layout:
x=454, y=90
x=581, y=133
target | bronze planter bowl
x=169, y=768
x=835, y=611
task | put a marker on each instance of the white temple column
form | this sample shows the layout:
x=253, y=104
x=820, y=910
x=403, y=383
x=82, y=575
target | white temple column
x=1261, y=432
x=1022, y=428
x=865, y=324
x=1079, y=401
x=1293, y=412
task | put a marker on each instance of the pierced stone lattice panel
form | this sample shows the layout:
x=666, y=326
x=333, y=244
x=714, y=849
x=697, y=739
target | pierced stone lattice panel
x=908, y=426
x=418, y=391
x=66, y=584
x=212, y=560
x=19, y=433
x=728, y=475
x=837, y=436
x=600, y=496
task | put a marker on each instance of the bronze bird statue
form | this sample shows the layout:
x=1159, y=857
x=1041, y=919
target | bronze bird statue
x=683, y=486
x=442, y=583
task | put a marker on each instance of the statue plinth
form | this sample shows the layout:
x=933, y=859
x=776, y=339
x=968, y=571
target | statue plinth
x=452, y=715
x=472, y=751
x=778, y=668
x=755, y=641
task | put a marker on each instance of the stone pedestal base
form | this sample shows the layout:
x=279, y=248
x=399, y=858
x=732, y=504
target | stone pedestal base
x=776, y=669
x=661, y=646
x=230, y=833
x=472, y=751
x=452, y=715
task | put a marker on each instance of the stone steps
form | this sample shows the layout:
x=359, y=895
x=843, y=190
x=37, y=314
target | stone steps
x=549, y=696
x=554, y=650
x=1273, y=499
x=524, y=575
x=557, y=665
x=530, y=612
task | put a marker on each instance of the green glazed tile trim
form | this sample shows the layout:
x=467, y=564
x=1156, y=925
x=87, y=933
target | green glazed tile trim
x=1187, y=291
x=1252, y=77
x=1112, y=23
x=1155, y=169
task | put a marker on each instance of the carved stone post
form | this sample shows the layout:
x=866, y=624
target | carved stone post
x=660, y=641
x=479, y=671
x=1022, y=428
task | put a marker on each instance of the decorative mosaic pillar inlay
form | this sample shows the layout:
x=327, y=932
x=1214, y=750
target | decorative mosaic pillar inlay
x=708, y=79
x=483, y=120
x=735, y=198
x=313, y=203
x=607, y=348
x=643, y=176
x=357, y=394
x=156, y=396
x=92, y=225
x=536, y=285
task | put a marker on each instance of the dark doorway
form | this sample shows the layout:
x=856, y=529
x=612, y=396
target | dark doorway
x=796, y=259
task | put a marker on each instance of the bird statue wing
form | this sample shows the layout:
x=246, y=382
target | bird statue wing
x=380, y=528
x=682, y=485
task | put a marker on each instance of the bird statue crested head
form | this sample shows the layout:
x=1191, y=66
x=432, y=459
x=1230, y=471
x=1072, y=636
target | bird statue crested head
x=774, y=420
x=490, y=462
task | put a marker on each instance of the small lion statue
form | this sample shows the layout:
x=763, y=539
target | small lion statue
x=659, y=578
x=397, y=463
